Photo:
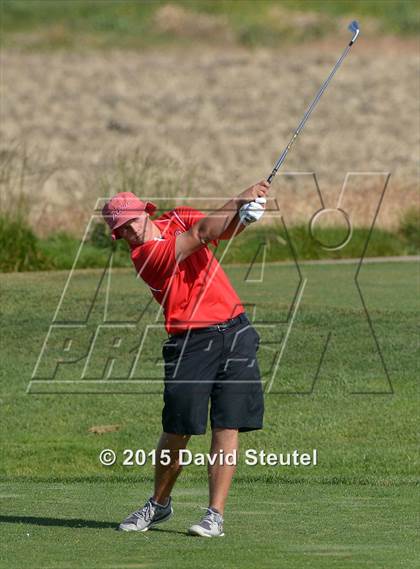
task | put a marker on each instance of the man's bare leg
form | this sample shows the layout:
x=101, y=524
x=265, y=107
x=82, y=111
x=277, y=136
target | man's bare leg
x=165, y=476
x=220, y=475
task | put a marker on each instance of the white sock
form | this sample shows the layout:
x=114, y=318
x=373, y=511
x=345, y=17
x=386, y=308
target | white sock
x=160, y=505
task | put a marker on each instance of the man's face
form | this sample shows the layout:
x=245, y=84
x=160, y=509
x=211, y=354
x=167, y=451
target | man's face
x=133, y=231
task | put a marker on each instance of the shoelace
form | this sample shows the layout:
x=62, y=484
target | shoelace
x=146, y=512
x=212, y=517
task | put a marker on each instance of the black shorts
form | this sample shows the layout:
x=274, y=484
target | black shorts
x=219, y=367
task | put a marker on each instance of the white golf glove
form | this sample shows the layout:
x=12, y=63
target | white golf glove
x=252, y=211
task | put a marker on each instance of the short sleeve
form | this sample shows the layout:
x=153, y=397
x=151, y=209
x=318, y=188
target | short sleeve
x=189, y=216
x=155, y=260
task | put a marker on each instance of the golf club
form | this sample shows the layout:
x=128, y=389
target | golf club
x=355, y=30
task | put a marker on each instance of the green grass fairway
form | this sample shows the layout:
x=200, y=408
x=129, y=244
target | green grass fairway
x=357, y=508
x=58, y=526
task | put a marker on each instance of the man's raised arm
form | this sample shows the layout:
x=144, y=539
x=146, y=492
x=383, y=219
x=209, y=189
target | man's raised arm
x=218, y=223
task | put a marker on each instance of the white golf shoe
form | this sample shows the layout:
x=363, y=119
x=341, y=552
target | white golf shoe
x=210, y=526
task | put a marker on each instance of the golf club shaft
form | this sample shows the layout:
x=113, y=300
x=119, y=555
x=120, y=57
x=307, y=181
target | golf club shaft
x=309, y=111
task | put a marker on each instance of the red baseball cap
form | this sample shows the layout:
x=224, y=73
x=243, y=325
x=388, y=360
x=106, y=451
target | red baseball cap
x=123, y=207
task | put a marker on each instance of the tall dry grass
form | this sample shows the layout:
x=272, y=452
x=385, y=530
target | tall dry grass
x=44, y=198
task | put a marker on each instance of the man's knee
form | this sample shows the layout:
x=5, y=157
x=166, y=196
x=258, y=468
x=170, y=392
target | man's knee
x=225, y=434
x=176, y=437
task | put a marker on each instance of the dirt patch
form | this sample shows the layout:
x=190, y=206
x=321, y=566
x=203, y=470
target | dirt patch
x=226, y=113
x=181, y=22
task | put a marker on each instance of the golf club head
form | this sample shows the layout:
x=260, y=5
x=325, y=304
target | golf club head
x=355, y=30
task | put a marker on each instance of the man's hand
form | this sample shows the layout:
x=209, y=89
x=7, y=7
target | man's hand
x=258, y=190
x=252, y=211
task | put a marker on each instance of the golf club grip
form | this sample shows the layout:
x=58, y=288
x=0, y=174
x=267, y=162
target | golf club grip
x=270, y=177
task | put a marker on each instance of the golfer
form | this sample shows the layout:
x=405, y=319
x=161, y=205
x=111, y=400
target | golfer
x=210, y=354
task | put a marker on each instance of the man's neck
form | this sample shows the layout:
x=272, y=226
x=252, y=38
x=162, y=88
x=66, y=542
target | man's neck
x=151, y=231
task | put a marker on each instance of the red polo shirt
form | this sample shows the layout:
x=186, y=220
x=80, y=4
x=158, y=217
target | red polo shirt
x=194, y=293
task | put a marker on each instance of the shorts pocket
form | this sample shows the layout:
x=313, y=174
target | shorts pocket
x=171, y=348
x=246, y=342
